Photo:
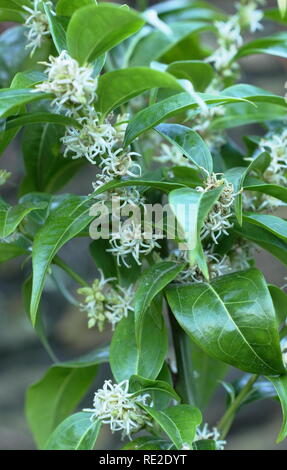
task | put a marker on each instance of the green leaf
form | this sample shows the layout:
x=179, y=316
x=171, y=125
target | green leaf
x=279, y=299
x=147, y=443
x=232, y=319
x=127, y=359
x=204, y=444
x=176, y=104
x=199, y=374
x=119, y=86
x=197, y=72
x=36, y=118
x=68, y=7
x=12, y=216
x=63, y=224
x=27, y=79
x=151, y=282
x=153, y=46
x=273, y=224
x=77, y=432
x=191, y=208
x=140, y=385
x=13, y=98
x=55, y=396
x=274, y=45
x=189, y=143
x=280, y=384
x=94, y=30
x=178, y=422
x=236, y=176
x=274, y=190
x=264, y=239
x=10, y=251
x=56, y=29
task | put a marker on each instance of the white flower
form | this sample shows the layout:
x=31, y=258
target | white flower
x=172, y=154
x=74, y=86
x=130, y=240
x=241, y=256
x=123, y=196
x=114, y=405
x=217, y=222
x=120, y=163
x=36, y=24
x=217, y=266
x=106, y=303
x=4, y=176
x=276, y=146
x=229, y=42
x=202, y=124
x=205, y=433
x=249, y=15
x=92, y=140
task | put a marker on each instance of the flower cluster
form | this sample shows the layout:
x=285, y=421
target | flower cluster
x=205, y=433
x=114, y=405
x=74, y=86
x=36, y=24
x=276, y=146
x=130, y=240
x=230, y=36
x=217, y=222
x=106, y=303
x=217, y=266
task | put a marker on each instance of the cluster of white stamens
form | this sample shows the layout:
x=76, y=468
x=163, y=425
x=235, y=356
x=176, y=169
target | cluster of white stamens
x=73, y=86
x=230, y=38
x=106, y=303
x=130, y=240
x=36, y=24
x=114, y=405
x=205, y=433
x=276, y=146
x=217, y=222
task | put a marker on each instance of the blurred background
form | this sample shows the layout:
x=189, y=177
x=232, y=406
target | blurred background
x=23, y=360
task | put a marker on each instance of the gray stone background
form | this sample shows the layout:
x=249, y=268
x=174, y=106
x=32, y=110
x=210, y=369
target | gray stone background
x=23, y=359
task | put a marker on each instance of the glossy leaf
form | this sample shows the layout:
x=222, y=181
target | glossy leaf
x=279, y=299
x=179, y=423
x=55, y=396
x=119, y=86
x=151, y=282
x=94, y=30
x=197, y=72
x=127, y=358
x=280, y=384
x=35, y=118
x=139, y=385
x=273, y=45
x=273, y=224
x=68, y=7
x=12, y=216
x=78, y=432
x=13, y=98
x=274, y=190
x=191, y=208
x=232, y=319
x=147, y=443
x=189, y=143
x=70, y=218
x=155, y=114
x=10, y=251
x=206, y=444
x=56, y=29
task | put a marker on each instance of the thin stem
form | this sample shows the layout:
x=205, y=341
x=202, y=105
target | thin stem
x=61, y=263
x=228, y=417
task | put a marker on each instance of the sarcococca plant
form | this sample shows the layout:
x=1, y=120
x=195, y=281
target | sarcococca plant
x=174, y=214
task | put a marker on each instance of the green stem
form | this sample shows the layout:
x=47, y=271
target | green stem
x=61, y=263
x=228, y=417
